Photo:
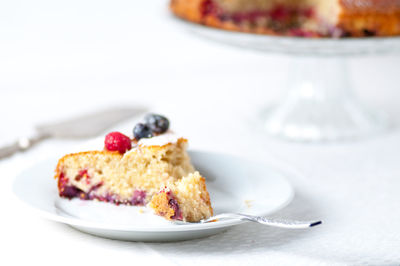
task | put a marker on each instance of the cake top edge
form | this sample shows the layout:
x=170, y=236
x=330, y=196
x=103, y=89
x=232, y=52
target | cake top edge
x=161, y=140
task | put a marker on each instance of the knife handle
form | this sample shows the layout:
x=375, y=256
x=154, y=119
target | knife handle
x=22, y=144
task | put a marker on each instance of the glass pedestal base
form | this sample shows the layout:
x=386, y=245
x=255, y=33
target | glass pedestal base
x=296, y=122
x=320, y=105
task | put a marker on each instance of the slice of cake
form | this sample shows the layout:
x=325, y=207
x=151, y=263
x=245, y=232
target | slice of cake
x=129, y=174
x=305, y=18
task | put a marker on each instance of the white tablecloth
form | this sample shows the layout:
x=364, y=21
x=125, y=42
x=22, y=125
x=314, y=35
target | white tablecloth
x=60, y=59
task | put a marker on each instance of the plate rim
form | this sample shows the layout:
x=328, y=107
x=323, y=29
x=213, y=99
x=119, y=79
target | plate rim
x=72, y=221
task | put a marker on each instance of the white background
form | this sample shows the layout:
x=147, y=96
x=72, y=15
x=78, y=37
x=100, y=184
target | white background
x=59, y=59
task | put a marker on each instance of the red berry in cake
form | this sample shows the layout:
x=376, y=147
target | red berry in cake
x=116, y=141
x=139, y=197
x=71, y=192
x=209, y=7
x=157, y=123
x=142, y=131
x=175, y=206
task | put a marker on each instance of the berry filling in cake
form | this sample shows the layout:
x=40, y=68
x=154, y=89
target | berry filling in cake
x=303, y=18
x=288, y=20
x=132, y=171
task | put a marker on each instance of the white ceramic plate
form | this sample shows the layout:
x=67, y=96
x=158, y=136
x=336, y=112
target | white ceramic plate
x=235, y=185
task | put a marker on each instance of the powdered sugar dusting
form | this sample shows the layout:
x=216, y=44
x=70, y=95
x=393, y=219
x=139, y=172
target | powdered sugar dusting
x=160, y=140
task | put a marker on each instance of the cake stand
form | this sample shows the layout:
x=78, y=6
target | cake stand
x=320, y=105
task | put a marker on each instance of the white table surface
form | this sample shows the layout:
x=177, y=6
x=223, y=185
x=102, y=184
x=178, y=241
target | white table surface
x=59, y=59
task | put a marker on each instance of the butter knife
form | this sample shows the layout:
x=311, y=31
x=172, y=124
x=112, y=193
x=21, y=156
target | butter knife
x=85, y=126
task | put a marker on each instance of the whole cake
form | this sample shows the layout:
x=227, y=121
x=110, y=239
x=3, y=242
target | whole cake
x=139, y=171
x=303, y=18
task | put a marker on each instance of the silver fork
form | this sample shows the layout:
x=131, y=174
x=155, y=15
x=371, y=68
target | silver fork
x=291, y=224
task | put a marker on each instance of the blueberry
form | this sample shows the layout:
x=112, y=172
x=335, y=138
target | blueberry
x=157, y=123
x=142, y=131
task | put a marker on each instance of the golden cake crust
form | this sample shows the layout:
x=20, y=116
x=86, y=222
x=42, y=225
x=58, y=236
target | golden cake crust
x=365, y=17
x=356, y=18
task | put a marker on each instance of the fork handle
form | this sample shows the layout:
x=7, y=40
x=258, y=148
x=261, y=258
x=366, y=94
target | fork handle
x=22, y=144
x=283, y=223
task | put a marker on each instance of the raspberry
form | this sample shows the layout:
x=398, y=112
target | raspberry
x=116, y=141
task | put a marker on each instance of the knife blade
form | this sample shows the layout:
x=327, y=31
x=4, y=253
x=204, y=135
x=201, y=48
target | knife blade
x=85, y=126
